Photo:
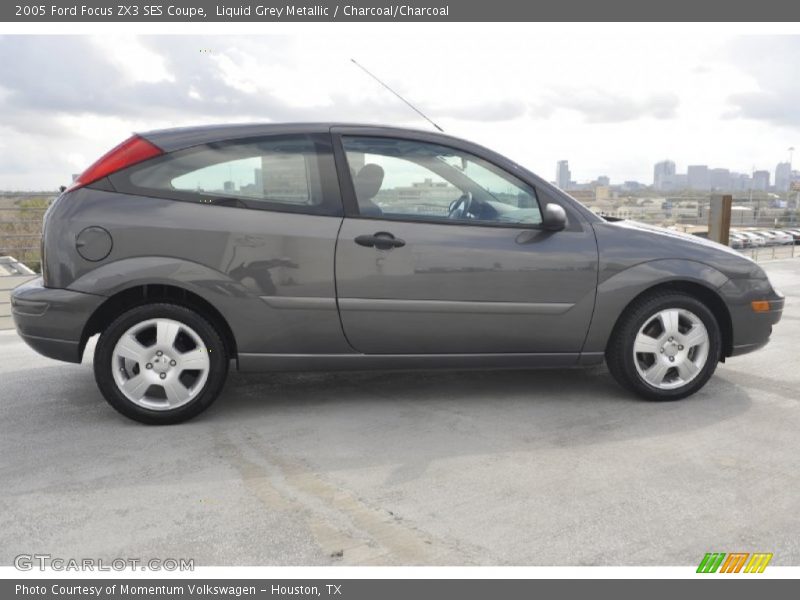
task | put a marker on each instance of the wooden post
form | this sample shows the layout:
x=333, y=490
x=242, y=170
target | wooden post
x=719, y=219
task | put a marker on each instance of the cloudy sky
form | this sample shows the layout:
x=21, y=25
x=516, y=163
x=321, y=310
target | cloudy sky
x=612, y=104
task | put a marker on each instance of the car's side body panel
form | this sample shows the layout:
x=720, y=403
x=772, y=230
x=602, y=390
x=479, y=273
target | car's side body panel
x=241, y=261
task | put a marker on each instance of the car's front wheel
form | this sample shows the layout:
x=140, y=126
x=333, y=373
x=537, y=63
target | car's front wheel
x=160, y=363
x=665, y=347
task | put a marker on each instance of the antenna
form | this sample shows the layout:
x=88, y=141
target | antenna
x=414, y=108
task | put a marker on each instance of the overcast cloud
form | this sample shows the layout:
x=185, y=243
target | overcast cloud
x=612, y=106
x=774, y=63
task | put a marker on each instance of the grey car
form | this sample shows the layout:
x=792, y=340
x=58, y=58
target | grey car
x=334, y=246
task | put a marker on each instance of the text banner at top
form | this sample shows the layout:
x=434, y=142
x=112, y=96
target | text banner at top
x=408, y=11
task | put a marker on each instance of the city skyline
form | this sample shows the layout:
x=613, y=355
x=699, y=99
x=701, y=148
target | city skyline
x=699, y=177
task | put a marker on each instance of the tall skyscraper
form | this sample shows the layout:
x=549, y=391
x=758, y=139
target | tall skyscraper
x=663, y=174
x=563, y=174
x=783, y=177
x=761, y=180
x=698, y=177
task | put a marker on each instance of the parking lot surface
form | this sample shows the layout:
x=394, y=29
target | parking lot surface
x=523, y=468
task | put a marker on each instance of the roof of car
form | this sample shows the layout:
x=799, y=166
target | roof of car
x=182, y=137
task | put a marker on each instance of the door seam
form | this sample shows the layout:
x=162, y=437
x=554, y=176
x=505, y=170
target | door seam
x=336, y=283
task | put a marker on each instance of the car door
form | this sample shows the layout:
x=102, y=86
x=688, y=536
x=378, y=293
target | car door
x=442, y=252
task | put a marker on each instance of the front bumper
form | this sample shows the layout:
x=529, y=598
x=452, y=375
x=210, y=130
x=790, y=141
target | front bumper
x=52, y=321
x=751, y=329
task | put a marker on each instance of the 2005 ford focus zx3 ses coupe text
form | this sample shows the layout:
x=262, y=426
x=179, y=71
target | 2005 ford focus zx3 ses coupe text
x=324, y=246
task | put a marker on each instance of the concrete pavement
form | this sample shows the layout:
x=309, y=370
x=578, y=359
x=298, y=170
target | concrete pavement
x=527, y=468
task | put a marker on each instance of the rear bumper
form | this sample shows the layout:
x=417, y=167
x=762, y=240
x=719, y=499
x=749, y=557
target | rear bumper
x=51, y=321
x=751, y=329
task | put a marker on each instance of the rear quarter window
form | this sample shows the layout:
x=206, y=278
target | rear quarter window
x=286, y=173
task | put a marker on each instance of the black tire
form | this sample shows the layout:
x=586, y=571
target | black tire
x=619, y=353
x=217, y=372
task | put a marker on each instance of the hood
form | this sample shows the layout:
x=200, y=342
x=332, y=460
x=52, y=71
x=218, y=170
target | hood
x=678, y=235
x=653, y=243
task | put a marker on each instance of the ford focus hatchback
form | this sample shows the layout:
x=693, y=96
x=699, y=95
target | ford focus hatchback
x=323, y=247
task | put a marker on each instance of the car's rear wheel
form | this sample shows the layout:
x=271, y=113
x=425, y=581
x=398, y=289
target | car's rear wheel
x=665, y=347
x=160, y=364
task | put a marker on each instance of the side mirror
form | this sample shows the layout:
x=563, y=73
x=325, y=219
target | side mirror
x=554, y=218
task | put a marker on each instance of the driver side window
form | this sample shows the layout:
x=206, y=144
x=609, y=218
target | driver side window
x=407, y=179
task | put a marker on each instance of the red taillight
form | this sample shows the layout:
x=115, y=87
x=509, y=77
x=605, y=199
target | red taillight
x=133, y=150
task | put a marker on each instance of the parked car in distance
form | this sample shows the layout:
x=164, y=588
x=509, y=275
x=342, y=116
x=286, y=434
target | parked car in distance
x=755, y=239
x=333, y=246
x=737, y=241
x=769, y=239
x=746, y=239
x=795, y=233
x=782, y=238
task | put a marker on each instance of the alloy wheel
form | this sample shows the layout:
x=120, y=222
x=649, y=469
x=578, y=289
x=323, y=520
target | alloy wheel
x=160, y=364
x=671, y=348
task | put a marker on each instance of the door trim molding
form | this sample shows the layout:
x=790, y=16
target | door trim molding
x=300, y=302
x=454, y=306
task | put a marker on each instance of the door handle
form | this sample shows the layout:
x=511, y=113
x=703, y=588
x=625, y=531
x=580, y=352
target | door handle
x=383, y=240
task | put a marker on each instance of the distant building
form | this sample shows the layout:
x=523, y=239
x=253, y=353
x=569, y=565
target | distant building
x=681, y=181
x=602, y=192
x=284, y=178
x=632, y=186
x=698, y=177
x=563, y=174
x=740, y=182
x=663, y=172
x=425, y=197
x=783, y=177
x=603, y=181
x=583, y=195
x=761, y=181
x=685, y=210
x=719, y=179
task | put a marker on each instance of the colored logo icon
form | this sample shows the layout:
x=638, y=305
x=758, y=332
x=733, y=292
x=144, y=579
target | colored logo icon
x=735, y=562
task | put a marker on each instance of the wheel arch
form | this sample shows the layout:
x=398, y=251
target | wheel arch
x=618, y=289
x=704, y=293
x=142, y=294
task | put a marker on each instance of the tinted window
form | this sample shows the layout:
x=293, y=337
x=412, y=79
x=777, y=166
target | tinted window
x=269, y=173
x=410, y=179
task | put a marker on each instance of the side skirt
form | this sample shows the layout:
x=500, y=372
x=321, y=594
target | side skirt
x=367, y=362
